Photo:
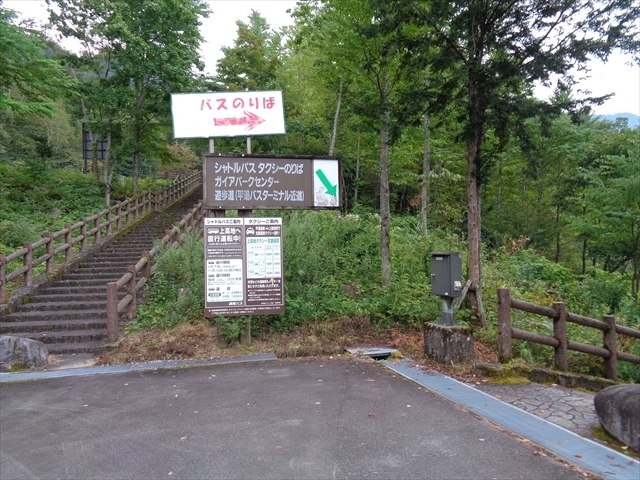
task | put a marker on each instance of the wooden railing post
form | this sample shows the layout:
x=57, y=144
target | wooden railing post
x=67, y=241
x=119, y=222
x=609, y=337
x=505, y=353
x=50, y=255
x=96, y=226
x=109, y=223
x=146, y=269
x=3, y=277
x=560, y=334
x=28, y=262
x=112, y=312
x=131, y=290
x=83, y=233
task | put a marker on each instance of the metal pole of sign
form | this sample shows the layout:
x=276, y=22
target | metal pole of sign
x=216, y=213
x=245, y=335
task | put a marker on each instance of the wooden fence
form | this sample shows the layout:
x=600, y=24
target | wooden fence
x=559, y=341
x=86, y=233
x=139, y=274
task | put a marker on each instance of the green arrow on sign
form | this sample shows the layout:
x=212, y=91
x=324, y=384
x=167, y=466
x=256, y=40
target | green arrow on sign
x=331, y=189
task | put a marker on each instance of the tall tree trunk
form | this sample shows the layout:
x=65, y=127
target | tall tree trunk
x=474, y=231
x=426, y=165
x=385, y=209
x=334, y=134
x=426, y=171
x=108, y=175
x=558, y=234
x=355, y=195
x=136, y=161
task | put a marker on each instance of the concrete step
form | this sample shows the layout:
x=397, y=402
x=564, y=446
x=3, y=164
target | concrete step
x=67, y=336
x=95, y=276
x=84, y=283
x=73, y=297
x=105, y=268
x=17, y=328
x=40, y=316
x=64, y=305
x=69, y=348
x=66, y=289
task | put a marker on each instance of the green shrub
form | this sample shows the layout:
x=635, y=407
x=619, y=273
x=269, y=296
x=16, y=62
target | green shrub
x=177, y=292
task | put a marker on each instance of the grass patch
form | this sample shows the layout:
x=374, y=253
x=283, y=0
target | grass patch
x=601, y=434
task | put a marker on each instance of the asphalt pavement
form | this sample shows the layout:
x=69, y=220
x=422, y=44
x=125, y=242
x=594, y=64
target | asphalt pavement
x=274, y=419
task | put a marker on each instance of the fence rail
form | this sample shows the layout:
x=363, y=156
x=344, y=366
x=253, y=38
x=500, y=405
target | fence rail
x=559, y=341
x=139, y=274
x=87, y=233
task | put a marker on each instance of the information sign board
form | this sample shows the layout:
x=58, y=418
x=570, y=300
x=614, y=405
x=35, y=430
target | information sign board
x=243, y=266
x=227, y=114
x=250, y=182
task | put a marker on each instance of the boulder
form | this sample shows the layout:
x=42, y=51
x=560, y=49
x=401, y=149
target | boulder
x=618, y=409
x=21, y=350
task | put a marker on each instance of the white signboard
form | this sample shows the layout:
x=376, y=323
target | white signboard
x=243, y=266
x=227, y=114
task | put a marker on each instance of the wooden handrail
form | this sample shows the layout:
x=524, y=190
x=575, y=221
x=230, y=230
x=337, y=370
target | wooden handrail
x=82, y=232
x=560, y=343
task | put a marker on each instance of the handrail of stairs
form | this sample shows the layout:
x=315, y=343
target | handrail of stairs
x=90, y=230
x=139, y=274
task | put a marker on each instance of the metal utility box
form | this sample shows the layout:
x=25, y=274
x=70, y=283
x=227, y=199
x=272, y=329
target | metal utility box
x=446, y=274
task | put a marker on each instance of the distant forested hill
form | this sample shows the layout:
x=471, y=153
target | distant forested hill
x=634, y=120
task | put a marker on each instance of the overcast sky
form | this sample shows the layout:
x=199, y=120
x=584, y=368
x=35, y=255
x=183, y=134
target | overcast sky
x=616, y=76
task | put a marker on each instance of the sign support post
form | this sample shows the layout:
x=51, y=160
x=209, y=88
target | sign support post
x=245, y=335
x=243, y=254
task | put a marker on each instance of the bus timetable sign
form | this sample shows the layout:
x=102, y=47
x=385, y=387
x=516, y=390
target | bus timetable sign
x=243, y=266
x=249, y=182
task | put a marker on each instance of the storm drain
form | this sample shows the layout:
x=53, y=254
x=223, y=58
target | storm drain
x=375, y=353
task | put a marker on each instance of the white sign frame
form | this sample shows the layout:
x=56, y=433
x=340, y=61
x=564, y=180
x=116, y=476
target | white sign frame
x=227, y=114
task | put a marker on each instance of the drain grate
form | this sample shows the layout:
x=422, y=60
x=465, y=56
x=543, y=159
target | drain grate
x=376, y=353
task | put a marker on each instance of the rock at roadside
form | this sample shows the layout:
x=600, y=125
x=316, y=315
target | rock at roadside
x=29, y=352
x=617, y=408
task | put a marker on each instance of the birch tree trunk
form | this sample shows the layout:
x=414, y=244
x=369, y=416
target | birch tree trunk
x=385, y=209
x=334, y=134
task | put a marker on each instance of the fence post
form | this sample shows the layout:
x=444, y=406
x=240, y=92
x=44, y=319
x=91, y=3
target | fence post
x=109, y=226
x=50, y=255
x=112, y=312
x=560, y=334
x=3, y=277
x=505, y=353
x=96, y=226
x=146, y=269
x=83, y=234
x=119, y=222
x=67, y=241
x=609, y=337
x=131, y=290
x=28, y=262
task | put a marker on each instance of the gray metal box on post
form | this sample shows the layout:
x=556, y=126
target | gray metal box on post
x=446, y=274
x=446, y=282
